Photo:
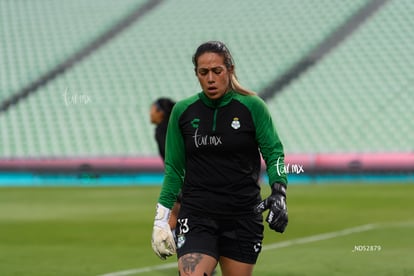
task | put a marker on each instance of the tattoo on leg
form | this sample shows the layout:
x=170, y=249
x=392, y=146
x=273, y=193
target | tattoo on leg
x=190, y=261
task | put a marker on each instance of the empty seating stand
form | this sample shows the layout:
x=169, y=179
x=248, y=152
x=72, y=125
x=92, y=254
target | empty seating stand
x=360, y=97
x=100, y=106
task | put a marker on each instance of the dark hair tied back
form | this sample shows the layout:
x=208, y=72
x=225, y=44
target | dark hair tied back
x=217, y=47
x=165, y=105
x=220, y=48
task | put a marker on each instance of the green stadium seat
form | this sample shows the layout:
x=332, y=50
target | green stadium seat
x=368, y=81
x=347, y=102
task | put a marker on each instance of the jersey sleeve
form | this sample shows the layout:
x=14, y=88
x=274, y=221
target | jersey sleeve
x=174, y=160
x=270, y=145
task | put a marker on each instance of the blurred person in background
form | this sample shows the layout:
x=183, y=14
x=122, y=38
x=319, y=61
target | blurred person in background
x=160, y=112
x=213, y=147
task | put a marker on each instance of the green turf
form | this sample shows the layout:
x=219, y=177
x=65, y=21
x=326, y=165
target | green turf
x=93, y=231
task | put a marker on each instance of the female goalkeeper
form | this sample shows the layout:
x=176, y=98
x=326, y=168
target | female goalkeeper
x=213, y=147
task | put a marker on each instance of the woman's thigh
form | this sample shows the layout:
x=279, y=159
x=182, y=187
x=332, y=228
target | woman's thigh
x=196, y=264
x=230, y=267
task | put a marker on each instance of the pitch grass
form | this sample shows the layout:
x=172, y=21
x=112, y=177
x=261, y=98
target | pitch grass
x=93, y=231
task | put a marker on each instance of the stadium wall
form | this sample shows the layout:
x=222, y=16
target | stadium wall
x=312, y=163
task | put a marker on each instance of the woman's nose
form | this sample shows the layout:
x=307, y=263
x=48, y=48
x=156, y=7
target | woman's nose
x=210, y=77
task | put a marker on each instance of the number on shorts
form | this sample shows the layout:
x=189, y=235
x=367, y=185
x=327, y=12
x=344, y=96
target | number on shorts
x=183, y=225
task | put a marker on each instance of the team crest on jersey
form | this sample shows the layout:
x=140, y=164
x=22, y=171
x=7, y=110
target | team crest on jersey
x=236, y=123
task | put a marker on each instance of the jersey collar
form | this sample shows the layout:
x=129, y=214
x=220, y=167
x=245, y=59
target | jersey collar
x=224, y=100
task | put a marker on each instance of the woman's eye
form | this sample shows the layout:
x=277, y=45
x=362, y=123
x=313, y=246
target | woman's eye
x=203, y=72
x=217, y=70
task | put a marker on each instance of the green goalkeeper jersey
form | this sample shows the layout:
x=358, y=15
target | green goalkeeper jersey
x=213, y=154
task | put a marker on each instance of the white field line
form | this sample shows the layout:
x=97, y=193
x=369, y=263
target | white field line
x=320, y=237
x=142, y=270
x=314, y=238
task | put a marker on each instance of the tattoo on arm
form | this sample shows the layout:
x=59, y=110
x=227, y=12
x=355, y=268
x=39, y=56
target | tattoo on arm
x=190, y=261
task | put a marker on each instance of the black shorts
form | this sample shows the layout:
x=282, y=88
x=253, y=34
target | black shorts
x=239, y=239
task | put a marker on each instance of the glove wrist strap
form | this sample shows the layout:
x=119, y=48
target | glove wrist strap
x=162, y=214
x=279, y=188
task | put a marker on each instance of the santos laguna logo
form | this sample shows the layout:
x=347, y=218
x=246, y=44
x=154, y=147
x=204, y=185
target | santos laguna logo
x=235, y=123
x=283, y=168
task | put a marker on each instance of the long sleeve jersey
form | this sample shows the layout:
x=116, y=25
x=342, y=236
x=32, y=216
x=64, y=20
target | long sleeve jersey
x=213, y=154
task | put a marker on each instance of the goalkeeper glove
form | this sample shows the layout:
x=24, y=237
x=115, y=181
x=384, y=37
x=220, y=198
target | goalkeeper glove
x=162, y=238
x=276, y=203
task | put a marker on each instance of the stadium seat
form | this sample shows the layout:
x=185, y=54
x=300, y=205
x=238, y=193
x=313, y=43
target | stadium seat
x=357, y=98
x=361, y=94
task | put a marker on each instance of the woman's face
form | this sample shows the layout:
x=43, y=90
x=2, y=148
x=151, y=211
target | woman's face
x=213, y=75
x=156, y=115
